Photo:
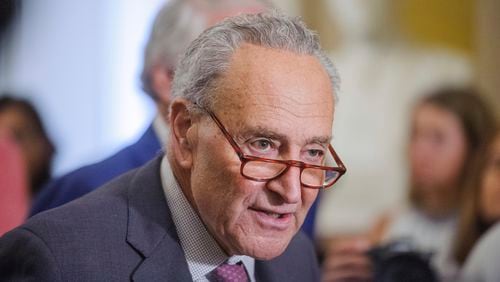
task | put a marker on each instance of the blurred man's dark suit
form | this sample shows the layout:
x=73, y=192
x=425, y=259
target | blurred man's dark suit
x=123, y=231
x=87, y=178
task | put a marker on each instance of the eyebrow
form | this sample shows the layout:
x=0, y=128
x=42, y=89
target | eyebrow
x=261, y=131
x=266, y=132
x=319, y=140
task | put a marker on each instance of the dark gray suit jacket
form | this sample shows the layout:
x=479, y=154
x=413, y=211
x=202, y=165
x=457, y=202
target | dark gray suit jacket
x=122, y=231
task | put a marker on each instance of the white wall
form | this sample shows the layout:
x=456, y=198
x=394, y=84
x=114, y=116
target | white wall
x=79, y=62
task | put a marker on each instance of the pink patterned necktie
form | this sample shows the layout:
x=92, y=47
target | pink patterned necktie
x=229, y=273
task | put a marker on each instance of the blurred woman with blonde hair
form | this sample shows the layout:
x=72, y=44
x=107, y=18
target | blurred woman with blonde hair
x=450, y=128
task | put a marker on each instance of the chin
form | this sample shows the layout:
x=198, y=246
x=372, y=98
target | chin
x=264, y=248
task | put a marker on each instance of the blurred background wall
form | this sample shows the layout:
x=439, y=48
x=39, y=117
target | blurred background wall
x=469, y=26
x=487, y=49
x=79, y=61
x=450, y=31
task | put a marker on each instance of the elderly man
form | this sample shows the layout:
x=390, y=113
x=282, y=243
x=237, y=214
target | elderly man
x=248, y=149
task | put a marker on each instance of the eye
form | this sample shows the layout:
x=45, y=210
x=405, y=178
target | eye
x=314, y=153
x=315, y=156
x=261, y=145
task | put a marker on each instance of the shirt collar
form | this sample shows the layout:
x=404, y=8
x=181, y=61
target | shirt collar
x=202, y=252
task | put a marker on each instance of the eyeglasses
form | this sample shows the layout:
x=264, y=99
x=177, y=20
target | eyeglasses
x=263, y=169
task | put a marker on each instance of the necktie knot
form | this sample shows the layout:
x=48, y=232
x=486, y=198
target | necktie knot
x=229, y=273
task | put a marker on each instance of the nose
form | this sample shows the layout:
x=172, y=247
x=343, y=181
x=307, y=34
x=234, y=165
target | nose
x=287, y=185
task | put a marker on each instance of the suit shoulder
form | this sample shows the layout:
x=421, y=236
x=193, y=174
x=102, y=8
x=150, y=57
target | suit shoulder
x=84, y=180
x=18, y=250
x=102, y=204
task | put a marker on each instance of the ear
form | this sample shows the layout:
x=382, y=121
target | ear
x=183, y=133
x=161, y=82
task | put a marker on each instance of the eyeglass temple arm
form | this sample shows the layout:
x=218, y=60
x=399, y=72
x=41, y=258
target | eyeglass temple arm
x=337, y=158
x=228, y=136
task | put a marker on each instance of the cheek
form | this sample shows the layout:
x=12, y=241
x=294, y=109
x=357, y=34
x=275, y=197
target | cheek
x=453, y=163
x=220, y=193
x=449, y=162
x=308, y=198
x=240, y=194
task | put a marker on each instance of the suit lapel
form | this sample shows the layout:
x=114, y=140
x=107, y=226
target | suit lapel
x=151, y=231
x=263, y=272
x=272, y=270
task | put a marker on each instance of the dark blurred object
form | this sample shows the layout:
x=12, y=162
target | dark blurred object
x=20, y=119
x=401, y=261
x=8, y=10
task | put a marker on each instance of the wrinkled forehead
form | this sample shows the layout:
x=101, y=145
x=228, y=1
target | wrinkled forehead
x=269, y=85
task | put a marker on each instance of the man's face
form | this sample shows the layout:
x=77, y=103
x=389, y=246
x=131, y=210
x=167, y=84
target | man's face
x=278, y=105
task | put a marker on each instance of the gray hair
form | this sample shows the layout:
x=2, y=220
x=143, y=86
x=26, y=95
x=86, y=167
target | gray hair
x=178, y=23
x=209, y=55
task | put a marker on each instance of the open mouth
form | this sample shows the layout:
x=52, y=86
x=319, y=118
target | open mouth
x=272, y=214
x=275, y=215
x=273, y=220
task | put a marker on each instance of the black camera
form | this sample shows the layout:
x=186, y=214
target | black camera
x=400, y=261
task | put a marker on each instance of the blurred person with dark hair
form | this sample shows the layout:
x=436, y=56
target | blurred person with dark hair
x=20, y=119
x=450, y=128
x=481, y=198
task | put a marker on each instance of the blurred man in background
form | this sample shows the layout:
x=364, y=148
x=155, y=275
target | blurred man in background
x=176, y=24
